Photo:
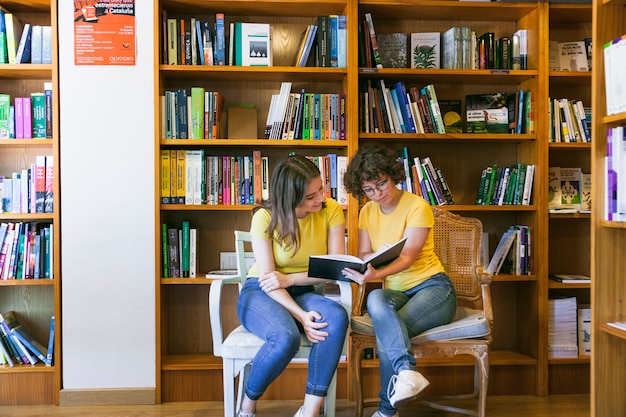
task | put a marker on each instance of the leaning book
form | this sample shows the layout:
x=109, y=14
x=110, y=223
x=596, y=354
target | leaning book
x=330, y=266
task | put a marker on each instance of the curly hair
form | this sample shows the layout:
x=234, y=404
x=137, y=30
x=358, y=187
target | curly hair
x=289, y=183
x=371, y=163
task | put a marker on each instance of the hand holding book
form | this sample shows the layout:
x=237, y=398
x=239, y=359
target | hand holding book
x=332, y=266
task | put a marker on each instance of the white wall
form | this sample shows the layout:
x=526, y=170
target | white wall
x=107, y=202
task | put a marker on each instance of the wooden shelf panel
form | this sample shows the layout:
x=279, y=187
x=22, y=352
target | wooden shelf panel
x=29, y=217
x=26, y=282
x=613, y=331
x=232, y=73
x=25, y=71
x=450, y=137
x=570, y=361
x=446, y=10
x=449, y=76
x=251, y=7
x=264, y=143
x=37, y=368
x=568, y=14
x=496, y=358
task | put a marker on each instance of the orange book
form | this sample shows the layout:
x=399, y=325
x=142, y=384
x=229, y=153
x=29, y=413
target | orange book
x=256, y=166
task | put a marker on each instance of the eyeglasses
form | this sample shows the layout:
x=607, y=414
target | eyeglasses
x=380, y=186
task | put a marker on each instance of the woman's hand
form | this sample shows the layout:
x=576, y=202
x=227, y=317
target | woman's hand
x=311, y=323
x=270, y=281
x=359, y=278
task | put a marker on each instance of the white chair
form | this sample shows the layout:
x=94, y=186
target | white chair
x=238, y=348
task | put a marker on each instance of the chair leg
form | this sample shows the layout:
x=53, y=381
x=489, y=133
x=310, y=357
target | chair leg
x=482, y=363
x=357, y=383
x=243, y=377
x=331, y=397
x=229, y=388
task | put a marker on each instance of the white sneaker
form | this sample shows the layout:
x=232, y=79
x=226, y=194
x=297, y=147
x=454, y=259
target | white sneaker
x=379, y=414
x=405, y=386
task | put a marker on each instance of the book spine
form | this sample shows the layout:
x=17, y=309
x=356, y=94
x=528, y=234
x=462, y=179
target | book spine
x=220, y=40
x=50, y=353
x=377, y=61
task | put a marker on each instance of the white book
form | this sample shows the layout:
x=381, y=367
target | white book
x=24, y=185
x=554, y=187
x=342, y=194
x=501, y=251
x=281, y=107
x=528, y=184
x=570, y=187
x=253, y=46
x=189, y=169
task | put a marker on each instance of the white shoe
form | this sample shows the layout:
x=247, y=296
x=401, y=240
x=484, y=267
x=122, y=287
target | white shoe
x=379, y=414
x=405, y=386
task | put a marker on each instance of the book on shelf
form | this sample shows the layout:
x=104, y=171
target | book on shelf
x=504, y=246
x=425, y=50
x=584, y=330
x=393, y=49
x=13, y=27
x=487, y=113
x=570, y=187
x=50, y=354
x=252, y=44
x=573, y=56
x=330, y=266
x=371, y=32
x=571, y=278
x=26, y=356
x=35, y=348
x=554, y=188
x=451, y=113
x=519, y=55
x=219, y=54
x=554, y=59
x=22, y=55
x=585, y=193
x=306, y=46
x=620, y=325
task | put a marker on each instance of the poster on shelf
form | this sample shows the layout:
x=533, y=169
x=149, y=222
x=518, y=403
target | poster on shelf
x=104, y=32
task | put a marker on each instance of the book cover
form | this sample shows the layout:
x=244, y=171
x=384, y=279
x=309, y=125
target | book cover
x=38, y=115
x=573, y=56
x=571, y=278
x=333, y=33
x=585, y=193
x=252, y=44
x=554, y=187
x=173, y=252
x=342, y=41
x=5, y=120
x=36, y=47
x=220, y=40
x=197, y=113
x=393, y=50
x=425, y=49
x=451, y=113
x=487, y=113
x=13, y=28
x=499, y=255
x=322, y=58
x=375, y=51
x=570, y=187
x=330, y=266
x=49, y=189
x=26, y=355
x=4, y=59
x=584, y=330
x=46, y=44
x=554, y=59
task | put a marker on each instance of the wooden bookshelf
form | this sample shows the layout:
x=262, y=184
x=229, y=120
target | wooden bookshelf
x=34, y=301
x=519, y=356
x=608, y=238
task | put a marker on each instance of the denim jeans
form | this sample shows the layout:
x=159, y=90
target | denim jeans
x=267, y=319
x=398, y=316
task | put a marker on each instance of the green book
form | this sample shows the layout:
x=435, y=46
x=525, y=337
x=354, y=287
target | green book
x=164, y=254
x=38, y=107
x=197, y=113
x=184, y=269
x=5, y=104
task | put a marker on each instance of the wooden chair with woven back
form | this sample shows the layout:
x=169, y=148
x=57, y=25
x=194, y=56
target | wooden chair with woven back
x=458, y=245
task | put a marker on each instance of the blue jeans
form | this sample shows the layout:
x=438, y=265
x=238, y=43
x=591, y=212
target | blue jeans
x=398, y=316
x=267, y=319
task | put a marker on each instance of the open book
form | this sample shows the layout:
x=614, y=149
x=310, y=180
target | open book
x=330, y=266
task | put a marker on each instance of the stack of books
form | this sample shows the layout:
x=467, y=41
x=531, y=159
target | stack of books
x=562, y=328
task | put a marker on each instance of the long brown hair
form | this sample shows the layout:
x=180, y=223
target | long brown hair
x=288, y=186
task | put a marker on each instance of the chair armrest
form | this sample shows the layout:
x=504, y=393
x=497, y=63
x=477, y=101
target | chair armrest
x=484, y=280
x=215, y=315
x=345, y=293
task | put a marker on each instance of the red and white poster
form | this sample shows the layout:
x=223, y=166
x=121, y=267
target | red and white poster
x=104, y=32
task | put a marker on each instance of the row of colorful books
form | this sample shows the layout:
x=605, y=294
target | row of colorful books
x=31, y=190
x=23, y=43
x=513, y=254
x=324, y=44
x=614, y=59
x=399, y=109
x=193, y=114
x=18, y=346
x=26, y=250
x=193, y=41
x=506, y=185
x=568, y=121
x=190, y=177
x=179, y=245
x=500, y=112
x=569, y=190
x=424, y=179
x=306, y=115
x=27, y=117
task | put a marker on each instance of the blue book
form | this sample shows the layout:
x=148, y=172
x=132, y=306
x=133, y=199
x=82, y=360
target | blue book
x=220, y=40
x=333, y=25
x=22, y=55
x=405, y=104
x=181, y=114
x=4, y=57
x=396, y=105
x=520, y=112
x=36, y=348
x=316, y=116
x=333, y=175
x=342, y=41
x=49, y=354
x=200, y=42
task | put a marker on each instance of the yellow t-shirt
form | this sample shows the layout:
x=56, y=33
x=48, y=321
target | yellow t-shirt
x=313, y=234
x=412, y=211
